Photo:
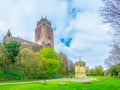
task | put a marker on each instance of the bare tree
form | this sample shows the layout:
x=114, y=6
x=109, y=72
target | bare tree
x=111, y=14
x=70, y=66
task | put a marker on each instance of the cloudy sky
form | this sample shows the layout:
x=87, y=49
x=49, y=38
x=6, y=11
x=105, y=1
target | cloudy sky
x=78, y=27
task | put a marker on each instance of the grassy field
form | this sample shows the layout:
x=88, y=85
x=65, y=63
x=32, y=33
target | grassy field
x=109, y=84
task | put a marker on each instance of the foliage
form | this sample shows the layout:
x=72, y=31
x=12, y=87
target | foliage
x=13, y=49
x=12, y=75
x=41, y=64
x=8, y=67
x=115, y=70
x=50, y=61
x=27, y=64
x=97, y=71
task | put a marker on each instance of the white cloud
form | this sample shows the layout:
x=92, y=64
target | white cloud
x=3, y=27
x=90, y=38
x=89, y=35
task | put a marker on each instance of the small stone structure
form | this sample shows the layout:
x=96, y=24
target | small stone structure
x=80, y=70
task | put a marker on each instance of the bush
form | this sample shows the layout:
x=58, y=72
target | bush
x=12, y=75
x=115, y=70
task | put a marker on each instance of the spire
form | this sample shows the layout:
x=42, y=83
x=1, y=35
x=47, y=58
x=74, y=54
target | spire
x=8, y=31
x=9, y=34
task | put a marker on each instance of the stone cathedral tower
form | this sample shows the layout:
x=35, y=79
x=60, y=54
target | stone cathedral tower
x=44, y=33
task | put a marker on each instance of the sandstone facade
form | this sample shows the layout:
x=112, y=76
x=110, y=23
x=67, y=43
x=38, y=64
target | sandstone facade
x=80, y=70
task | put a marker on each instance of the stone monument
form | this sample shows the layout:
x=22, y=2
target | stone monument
x=80, y=70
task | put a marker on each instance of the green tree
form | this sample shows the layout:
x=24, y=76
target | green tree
x=13, y=49
x=4, y=60
x=97, y=71
x=115, y=70
x=8, y=70
x=28, y=62
x=50, y=61
x=91, y=72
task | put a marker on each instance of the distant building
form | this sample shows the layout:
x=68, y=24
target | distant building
x=43, y=37
x=44, y=33
x=80, y=70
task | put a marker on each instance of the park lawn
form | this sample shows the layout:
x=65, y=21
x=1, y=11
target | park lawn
x=109, y=84
x=98, y=77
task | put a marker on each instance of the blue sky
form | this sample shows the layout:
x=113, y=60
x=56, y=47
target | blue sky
x=78, y=28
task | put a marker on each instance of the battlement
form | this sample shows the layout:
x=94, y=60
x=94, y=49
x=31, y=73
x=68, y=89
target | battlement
x=43, y=21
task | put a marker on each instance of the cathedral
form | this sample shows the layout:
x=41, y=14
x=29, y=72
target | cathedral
x=44, y=36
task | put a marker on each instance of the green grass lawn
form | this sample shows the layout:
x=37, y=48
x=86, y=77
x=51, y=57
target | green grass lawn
x=109, y=84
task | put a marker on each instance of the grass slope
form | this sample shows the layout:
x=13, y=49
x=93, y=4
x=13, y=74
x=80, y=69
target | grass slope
x=109, y=84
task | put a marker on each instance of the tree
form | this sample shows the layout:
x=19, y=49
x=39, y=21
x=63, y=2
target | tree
x=64, y=63
x=71, y=66
x=97, y=71
x=29, y=63
x=111, y=14
x=114, y=57
x=13, y=49
x=115, y=70
x=50, y=61
x=87, y=70
x=91, y=72
x=7, y=67
x=4, y=60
